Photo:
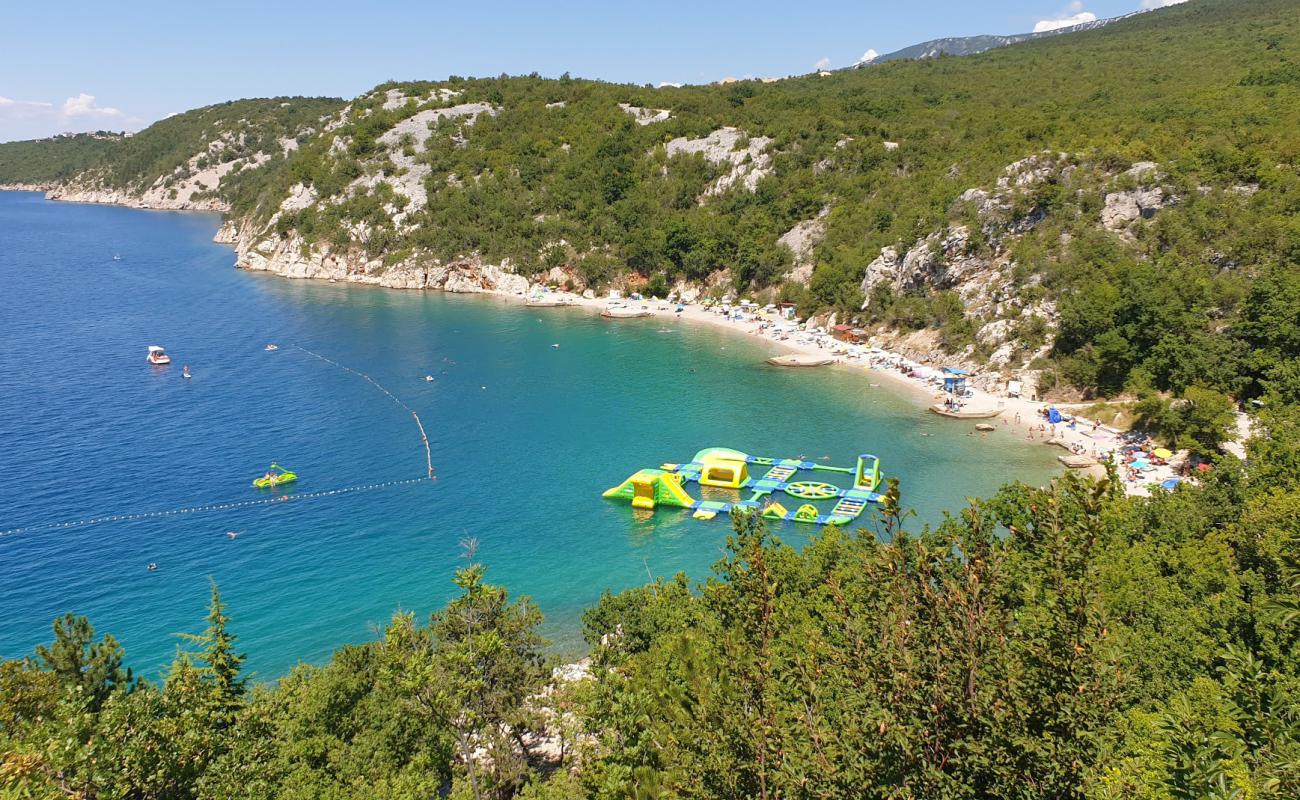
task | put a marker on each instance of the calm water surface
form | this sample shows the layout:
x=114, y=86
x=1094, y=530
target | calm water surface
x=524, y=438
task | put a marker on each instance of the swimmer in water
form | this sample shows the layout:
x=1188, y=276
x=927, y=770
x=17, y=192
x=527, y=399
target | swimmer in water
x=232, y=534
x=152, y=566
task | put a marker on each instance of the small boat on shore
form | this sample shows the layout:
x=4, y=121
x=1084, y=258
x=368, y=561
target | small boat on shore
x=965, y=413
x=800, y=360
x=547, y=301
x=157, y=356
x=625, y=312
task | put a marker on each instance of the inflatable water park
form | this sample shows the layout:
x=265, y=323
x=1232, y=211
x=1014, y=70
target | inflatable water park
x=787, y=490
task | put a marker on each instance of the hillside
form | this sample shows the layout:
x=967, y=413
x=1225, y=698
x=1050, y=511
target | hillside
x=202, y=159
x=1096, y=209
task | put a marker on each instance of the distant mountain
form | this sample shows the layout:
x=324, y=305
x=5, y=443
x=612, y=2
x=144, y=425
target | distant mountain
x=970, y=45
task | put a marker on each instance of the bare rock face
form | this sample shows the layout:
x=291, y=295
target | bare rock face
x=749, y=163
x=646, y=116
x=885, y=269
x=801, y=240
x=1122, y=208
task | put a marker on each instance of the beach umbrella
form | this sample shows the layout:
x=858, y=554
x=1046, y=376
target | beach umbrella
x=1140, y=464
x=1170, y=483
x=1162, y=452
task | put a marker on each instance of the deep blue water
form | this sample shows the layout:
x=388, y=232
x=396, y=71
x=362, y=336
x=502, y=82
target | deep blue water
x=524, y=438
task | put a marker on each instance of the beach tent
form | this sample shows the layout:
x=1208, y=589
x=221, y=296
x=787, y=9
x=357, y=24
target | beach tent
x=1053, y=416
x=954, y=380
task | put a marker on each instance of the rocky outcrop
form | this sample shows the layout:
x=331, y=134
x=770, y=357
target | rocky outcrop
x=121, y=197
x=1126, y=206
x=747, y=156
x=801, y=241
x=974, y=257
x=291, y=257
x=646, y=116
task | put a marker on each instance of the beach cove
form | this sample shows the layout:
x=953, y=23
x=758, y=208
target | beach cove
x=524, y=436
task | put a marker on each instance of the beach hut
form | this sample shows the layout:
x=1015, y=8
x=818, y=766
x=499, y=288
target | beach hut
x=954, y=381
x=787, y=310
x=842, y=332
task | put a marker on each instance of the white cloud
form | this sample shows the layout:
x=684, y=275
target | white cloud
x=30, y=119
x=869, y=56
x=1148, y=5
x=83, y=105
x=663, y=84
x=822, y=63
x=1044, y=25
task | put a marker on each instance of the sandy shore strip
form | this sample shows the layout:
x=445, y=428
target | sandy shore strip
x=1022, y=417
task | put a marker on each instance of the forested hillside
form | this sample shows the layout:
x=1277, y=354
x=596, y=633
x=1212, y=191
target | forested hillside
x=48, y=161
x=202, y=158
x=1166, y=222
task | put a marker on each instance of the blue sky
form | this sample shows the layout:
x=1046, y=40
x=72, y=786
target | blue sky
x=75, y=65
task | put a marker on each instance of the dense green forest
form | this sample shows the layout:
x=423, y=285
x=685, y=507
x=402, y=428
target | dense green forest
x=1063, y=642
x=44, y=161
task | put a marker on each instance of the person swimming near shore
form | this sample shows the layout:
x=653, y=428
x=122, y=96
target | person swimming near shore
x=231, y=534
x=152, y=566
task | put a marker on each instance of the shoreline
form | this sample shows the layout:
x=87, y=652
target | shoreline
x=1019, y=416
x=1022, y=416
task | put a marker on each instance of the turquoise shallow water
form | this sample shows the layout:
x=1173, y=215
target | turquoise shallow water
x=524, y=437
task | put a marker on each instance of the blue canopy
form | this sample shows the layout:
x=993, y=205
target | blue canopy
x=1053, y=416
x=953, y=371
x=1170, y=483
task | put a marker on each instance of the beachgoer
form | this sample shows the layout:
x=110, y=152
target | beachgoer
x=152, y=566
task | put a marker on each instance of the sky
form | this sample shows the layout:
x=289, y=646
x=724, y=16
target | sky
x=78, y=66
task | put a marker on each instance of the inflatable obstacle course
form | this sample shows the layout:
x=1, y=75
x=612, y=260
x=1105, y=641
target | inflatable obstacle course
x=793, y=479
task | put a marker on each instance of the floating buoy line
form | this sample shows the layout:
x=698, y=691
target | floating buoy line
x=261, y=501
x=424, y=439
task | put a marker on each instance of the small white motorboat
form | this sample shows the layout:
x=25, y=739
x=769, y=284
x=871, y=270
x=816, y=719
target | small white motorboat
x=157, y=356
x=272, y=347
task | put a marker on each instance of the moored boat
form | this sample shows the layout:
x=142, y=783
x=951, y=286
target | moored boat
x=964, y=413
x=623, y=311
x=801, y=360
x=158, y=356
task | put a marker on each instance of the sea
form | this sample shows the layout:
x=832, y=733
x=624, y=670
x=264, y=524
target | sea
x=109, y=465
